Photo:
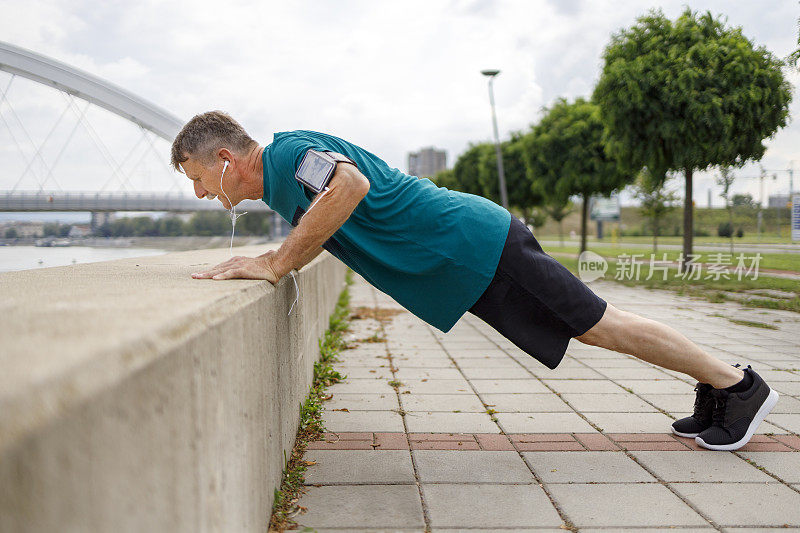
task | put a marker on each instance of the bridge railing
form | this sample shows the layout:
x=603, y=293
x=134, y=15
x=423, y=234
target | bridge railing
x=113, y=201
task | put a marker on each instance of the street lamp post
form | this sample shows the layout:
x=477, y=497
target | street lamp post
x=501, y=175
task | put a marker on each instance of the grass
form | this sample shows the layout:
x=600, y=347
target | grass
x=311, y=426
x=780, y=261
x=711, y=290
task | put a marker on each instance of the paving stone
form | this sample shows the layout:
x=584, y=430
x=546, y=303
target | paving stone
x=631, y=422
x=612, y=403
x=499, y=372
x=615, y=362
x=391, y=441
x=404, y=372
x=364, y=372
x=472, y=467
x=361, y=386
x=363, y=402
x=359, y=466
x=788, y=421
x=623, y=505
x=587, y=467
x=633, y=373
x=543, y=423
x=526, y=403
x=674, y=403
x=490, y=386
x=494, y=442
x=362, y=421
x=565, y=372
x=442, y=402
x=596, y=442
x=489, y=506
x=792, y=388
x=731, y=504
x=651, y=529
x=422, y=421
x=353, y=506
x=785, y=465
x=665, y=386
x=436, y=386
x=700, y=466
x=507, y=362
x=583, y=386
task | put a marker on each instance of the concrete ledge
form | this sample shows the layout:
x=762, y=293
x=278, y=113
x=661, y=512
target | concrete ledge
x=135, y=398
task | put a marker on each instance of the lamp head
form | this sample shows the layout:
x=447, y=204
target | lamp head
x=490, y=72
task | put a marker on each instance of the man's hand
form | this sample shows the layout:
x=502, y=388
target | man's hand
x=243, y=267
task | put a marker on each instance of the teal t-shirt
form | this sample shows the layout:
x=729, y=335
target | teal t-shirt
x=432, y=249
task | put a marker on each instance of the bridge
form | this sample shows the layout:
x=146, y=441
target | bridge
x=35, y=188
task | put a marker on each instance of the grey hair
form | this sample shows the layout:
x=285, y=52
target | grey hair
x=205, y=134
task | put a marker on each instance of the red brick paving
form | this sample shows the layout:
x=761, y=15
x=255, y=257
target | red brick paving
x=596, y=442
x=494, y=442
x=537, y=442
x=790, y=440
x=391, y=441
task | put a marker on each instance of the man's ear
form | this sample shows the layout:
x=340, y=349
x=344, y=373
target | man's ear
x=226, y=155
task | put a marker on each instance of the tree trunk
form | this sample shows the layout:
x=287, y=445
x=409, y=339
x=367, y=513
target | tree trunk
x=655, y=234
x=584, y=216
x=730, y=224
x=688, y=219
x=561, y=232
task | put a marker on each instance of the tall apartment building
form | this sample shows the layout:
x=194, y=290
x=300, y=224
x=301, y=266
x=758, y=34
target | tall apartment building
x=427, y=162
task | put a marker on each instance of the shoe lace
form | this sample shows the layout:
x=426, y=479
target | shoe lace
x=701, y=400
x=720, y=403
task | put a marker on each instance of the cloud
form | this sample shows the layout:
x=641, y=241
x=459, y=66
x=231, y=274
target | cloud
x=390, y=76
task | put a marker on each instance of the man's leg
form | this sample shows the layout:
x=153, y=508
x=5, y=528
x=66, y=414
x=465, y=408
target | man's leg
x=659, y=344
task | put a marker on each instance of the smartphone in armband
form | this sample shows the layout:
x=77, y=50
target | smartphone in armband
x=317, y=168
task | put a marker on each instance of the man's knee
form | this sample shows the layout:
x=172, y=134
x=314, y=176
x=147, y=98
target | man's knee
x=607, y=331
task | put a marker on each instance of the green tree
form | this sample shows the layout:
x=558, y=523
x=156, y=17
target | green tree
x=50, y=229
x=466, y=171
x=208, y=223
x=744, y=200
x=523, y=194
x=170, y=226
x=558, y=209
x=566, y=155
x=688, y=95
x=656, y=200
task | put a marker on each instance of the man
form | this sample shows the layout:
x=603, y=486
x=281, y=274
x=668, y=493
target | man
x=441, y=253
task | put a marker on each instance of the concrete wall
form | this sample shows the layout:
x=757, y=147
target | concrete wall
x=134, y=398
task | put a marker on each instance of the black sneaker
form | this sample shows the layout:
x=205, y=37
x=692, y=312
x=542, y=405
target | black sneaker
x=691, y=426
x=737, y=415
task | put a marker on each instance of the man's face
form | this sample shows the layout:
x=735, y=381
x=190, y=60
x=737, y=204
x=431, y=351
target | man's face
x=206, y=180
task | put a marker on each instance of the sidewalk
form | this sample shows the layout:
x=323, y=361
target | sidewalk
x=478, y=436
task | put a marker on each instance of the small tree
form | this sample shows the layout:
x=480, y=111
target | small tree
x=566, y=155
x=725, y=179
x=523, y=194
x=688, y=95
x=558, y=209
x=656, y=200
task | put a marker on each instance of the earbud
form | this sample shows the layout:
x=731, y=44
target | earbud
x=225, y=165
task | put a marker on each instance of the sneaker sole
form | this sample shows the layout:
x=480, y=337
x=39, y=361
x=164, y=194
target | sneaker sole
x=763, y=411
x=689, y=435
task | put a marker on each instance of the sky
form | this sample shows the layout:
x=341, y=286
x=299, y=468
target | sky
x=391, y=77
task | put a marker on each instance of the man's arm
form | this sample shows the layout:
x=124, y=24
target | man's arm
x=347, y=187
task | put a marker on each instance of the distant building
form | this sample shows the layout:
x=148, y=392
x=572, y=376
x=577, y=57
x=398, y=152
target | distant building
x=777, y=200
x=427, y=162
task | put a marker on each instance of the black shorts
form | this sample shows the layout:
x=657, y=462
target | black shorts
x=534, y=301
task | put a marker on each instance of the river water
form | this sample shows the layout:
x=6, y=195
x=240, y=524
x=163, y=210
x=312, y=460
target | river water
x=31, y=257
